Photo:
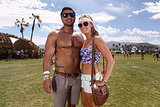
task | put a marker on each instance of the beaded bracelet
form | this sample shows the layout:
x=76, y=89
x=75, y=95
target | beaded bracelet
x=45, y=77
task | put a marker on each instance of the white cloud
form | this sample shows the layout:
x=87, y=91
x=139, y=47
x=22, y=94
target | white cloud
x=129, y=16
x=138, y=32
x=52, y=4
x=51, y=28
x=123, y=39
x=84, y=4
x=134, y=35
x=151, y=8
x=109, y=30
x=137, y=12
x=156, y=16
x=117, y=7
x=155, y=41
x=39, y=40
x=11, y=10
x=102, y=17
x=48, y=16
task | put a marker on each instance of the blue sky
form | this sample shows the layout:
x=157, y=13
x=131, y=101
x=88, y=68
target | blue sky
x=116, y=20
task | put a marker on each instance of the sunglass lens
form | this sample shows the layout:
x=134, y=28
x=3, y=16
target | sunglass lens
x=85, y=23
x=80, y=25
x=71, y=14
x=65, y=15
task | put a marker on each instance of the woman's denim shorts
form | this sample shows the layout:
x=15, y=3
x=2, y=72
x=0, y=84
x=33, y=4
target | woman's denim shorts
x=86, y=81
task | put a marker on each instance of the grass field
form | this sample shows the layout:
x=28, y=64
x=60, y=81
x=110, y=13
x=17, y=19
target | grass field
x=133, y=83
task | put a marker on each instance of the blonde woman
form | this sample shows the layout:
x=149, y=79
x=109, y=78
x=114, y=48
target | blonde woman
x=86, y=26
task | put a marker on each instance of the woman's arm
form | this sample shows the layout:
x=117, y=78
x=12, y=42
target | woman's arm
x=103, y=48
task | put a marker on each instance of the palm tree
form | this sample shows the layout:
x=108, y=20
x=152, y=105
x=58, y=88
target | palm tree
x=116, y=47
x=141, y=47
x=113, y=45
x=119, y=45
x=21, y=24
x=34, y=17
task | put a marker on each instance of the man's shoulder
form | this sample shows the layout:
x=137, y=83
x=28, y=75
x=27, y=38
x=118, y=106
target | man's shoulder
x=77, y=34
x=54, y=34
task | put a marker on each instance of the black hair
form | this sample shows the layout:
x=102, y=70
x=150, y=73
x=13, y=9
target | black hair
x=67, y=8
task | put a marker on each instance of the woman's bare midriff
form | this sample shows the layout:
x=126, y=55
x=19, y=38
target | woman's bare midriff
x=87, y=69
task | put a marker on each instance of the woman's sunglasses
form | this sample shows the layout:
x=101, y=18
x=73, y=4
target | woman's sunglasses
x=65, y=15
x=83, y=24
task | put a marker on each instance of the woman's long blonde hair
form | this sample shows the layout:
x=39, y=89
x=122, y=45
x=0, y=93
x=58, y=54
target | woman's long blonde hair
x=94, y=32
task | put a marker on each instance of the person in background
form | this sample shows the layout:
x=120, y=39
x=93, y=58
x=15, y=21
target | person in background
x=157, y=54
x=142, y=54
x=9, y=55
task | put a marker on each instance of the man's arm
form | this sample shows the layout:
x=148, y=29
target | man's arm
x=49, y=52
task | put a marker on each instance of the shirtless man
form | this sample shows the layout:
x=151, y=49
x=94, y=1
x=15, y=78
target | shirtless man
x=65, y=43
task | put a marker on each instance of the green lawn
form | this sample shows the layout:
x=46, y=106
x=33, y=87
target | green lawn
x=133, y=83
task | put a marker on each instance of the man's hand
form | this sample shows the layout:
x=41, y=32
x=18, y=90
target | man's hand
x=47, y=86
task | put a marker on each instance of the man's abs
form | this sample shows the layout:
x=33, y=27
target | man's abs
x=67, y=60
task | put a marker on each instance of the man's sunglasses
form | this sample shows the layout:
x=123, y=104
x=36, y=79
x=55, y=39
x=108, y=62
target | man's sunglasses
x=83, y=24
x=65, y=15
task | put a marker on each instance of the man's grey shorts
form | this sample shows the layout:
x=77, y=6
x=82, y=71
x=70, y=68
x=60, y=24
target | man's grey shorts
x=65, y=88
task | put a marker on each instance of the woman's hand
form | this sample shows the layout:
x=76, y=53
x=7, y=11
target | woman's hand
x=99, y=83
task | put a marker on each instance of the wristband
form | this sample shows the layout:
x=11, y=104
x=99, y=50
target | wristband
x=46, y=72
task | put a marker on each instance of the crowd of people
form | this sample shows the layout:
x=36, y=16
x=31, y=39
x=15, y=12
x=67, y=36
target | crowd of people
x=24, y=54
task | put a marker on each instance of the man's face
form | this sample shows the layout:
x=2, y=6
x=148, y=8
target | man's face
x=68, y=17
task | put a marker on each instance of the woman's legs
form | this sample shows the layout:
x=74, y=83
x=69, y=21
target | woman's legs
x=87, y=99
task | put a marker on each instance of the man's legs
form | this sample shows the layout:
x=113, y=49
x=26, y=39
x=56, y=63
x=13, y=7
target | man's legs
x=67, y=88
x=74, y=93
x=60, y=96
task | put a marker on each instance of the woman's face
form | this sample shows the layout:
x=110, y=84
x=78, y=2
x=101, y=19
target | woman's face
x=85, y=27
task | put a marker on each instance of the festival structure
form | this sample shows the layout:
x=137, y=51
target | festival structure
x=5, y=45
x=21, y=44
x=25, y=44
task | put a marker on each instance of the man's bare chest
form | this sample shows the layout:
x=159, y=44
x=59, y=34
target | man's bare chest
x=68, y=40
